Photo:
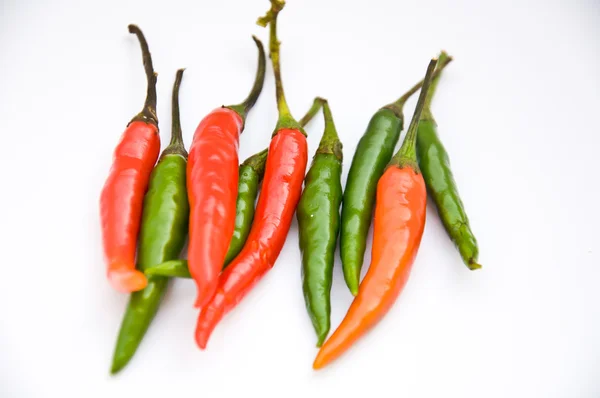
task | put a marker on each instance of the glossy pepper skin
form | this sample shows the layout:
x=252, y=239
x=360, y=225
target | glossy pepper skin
x=435, y=165
x=282, y=186
x=123, y=191
x=318, y=216
x=374, y=151
x=212, y=182
x=162, y=237
x=250, y=175
x=399, y=222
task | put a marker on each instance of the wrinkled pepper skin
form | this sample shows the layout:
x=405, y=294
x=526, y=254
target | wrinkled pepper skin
x=212, y=178
x=442, y=188
x=282, y=186
x=279, y=196
x=163, y=232
x=250, y=175
x=318, y=216
x=374, y=151
x=121, y=203
x=123, y=191
x=162, y=237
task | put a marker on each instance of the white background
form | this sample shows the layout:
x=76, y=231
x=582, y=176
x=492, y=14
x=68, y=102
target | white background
x=517, y=109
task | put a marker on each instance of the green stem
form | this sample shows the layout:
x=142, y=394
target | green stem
x=286, y=119
x=407, y=154
x=176, y=145
x=243, y=108
x=330, y=142
x=398, y=105
x=148, y=114
x=426, y=115
x=316, y=105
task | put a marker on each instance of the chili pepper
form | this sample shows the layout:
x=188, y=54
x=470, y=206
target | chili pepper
x=162, y=236
x=399, y=223
x=123, y=191
x=212, y=182
x=171, y=268
x=247, y=192
x=318, y=215
x=373, y=152
x=251, y=174
x=435, y=165
x=279, y=196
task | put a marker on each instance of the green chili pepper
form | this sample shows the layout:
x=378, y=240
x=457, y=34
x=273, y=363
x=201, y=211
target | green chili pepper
x=162, y=237
x=172, y=268
x=435, y=165
x=373, y=153
x=318, y=215
x=251, y=173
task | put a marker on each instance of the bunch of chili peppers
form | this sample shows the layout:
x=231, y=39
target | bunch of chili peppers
x=148, y=208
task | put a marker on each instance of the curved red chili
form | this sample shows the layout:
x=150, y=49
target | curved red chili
x=123, y=192
x=212, y=180
x=282, y=186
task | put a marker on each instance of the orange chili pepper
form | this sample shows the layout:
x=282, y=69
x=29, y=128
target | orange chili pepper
x=398, y=228
x=123, y=192
x=212, y=183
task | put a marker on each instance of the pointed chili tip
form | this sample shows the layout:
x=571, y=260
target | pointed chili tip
x=116, y=367
x=353, y=286
x=321, y=338
x=202, y=338
x=474, y=265
x=319, y=363
x=127, y=281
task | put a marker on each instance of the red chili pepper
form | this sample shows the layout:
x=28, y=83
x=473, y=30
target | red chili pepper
x=400, y=214
x=212, y=180
x=282, y=185
x=123, y=192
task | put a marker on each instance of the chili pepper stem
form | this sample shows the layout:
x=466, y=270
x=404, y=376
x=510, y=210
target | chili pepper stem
x=398, y=105
x=257, y=162
x=426, y=114
x=176, y=146
x=407, y=154
x=330, y=141
x=243, y=108
x=316, y=105
x=286, y=120
x=148, y=113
